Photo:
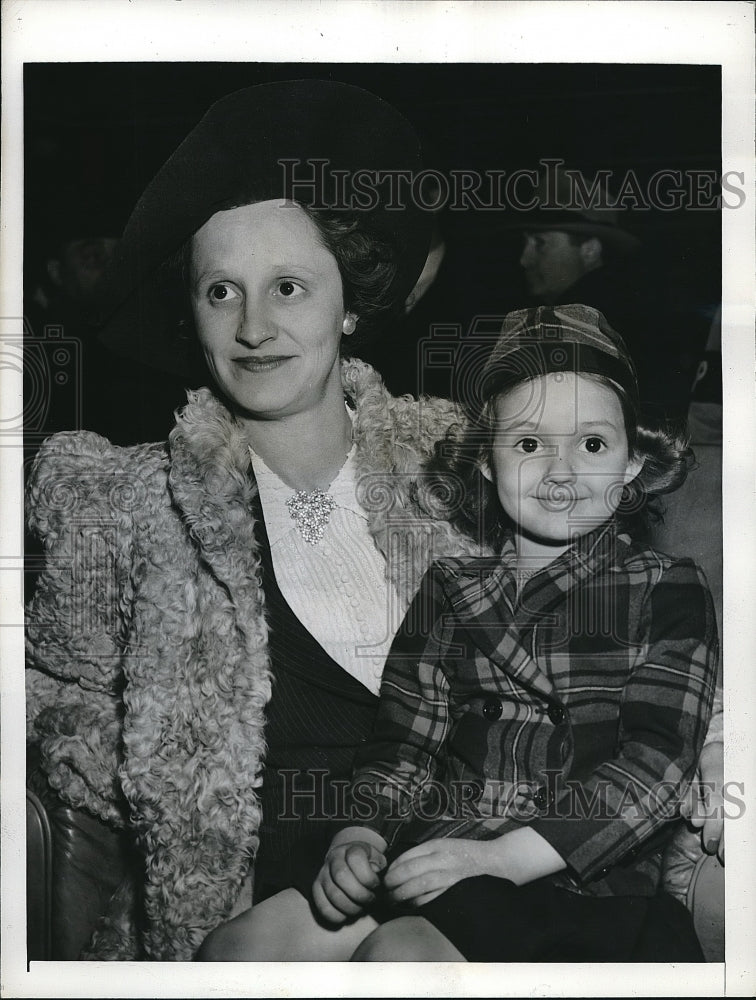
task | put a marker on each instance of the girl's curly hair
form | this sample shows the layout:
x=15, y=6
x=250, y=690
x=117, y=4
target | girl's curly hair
x=667, y=460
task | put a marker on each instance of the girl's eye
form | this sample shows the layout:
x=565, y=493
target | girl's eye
x=594, y=445
x=527, y=445
x=288, y=288
x=222, y=292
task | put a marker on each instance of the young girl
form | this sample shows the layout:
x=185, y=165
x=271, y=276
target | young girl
x=541, y=713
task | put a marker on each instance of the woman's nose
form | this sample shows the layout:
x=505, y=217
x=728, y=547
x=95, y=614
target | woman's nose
x=255, y=325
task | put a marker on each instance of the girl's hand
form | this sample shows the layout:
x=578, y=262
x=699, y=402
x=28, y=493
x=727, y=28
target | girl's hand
x=703, y=802
x=345, y=884
x=425, y=871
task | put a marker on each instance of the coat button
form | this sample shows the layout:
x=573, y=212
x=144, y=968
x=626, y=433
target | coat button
x=540, y=797
x=556, y=714
x=473, y=790
x=492, y=708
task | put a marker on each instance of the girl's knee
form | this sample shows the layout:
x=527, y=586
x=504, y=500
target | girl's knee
x=224, y=944
x=406, y=939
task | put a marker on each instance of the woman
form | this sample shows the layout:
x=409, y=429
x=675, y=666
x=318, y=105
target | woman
x=206, y=641
x=155, y=624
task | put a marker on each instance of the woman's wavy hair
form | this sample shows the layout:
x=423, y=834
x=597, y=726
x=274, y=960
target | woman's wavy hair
x=664, y=448
x=367, y=261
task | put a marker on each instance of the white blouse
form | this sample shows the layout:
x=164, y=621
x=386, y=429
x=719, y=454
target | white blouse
x=337, y=586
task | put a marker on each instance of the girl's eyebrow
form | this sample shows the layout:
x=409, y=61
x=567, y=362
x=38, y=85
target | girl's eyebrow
x=533, y=425
x=521, y=425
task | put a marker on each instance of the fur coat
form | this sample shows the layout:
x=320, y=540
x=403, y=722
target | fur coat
x=148, y=671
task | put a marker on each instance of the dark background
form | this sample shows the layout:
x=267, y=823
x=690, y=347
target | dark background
x=96, y=133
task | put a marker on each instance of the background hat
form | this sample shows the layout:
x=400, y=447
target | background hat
x=233, y=157
x=561, y=206
x=553, y=339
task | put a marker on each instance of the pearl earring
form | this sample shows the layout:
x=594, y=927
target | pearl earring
x=349, y=324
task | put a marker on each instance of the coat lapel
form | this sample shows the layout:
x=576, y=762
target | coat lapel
x=485, y=605
x=195, y=699
x=506, y=629
x=395, y=437
x=210, y=483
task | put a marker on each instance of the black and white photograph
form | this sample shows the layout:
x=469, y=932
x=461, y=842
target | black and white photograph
x=377, y=480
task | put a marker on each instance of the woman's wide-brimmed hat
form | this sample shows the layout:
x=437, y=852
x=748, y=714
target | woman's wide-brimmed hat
x=321, y=143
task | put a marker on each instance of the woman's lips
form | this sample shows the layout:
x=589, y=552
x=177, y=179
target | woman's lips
x=265, y=363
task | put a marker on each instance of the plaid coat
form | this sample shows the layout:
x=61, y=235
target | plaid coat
x=579, y=706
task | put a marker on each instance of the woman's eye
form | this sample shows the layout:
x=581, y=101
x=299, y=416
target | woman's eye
x=287, y=288
x=527, y=445
x=594, y=445
x=222, y=292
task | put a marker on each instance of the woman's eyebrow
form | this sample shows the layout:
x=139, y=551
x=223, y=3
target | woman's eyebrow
x=289, y=265
x=282, y=267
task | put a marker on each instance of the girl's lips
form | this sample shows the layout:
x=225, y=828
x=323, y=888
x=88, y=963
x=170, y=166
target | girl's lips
x=261, y=364
x=559, y=498
x=559, y=504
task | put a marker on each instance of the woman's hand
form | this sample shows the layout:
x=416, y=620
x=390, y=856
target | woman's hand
x=703, y=803
x=345, y=884
x=425, y=871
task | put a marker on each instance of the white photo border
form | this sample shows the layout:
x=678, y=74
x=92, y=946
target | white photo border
x=364, y=31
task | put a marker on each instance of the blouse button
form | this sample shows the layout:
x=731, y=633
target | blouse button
x=492, y=708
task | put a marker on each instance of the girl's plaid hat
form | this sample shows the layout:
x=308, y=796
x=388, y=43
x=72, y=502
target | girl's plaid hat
x=556, y=339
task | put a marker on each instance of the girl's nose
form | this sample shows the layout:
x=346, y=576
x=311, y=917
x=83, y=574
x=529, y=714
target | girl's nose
x=560, y=468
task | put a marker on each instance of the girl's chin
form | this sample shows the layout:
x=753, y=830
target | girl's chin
x=563, y=536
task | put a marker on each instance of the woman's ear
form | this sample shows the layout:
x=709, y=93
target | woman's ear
x=349, y=325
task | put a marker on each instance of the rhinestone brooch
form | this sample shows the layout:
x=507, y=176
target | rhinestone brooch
x=311, y=512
